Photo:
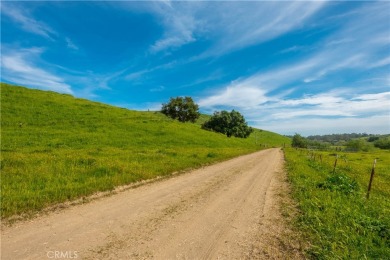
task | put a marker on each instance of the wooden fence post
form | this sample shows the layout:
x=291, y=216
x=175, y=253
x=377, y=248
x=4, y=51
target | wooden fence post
x=371, y=178
x=335, y=164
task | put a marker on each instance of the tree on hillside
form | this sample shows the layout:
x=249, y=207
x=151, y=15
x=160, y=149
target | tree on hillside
x=299, y=141
x=182, y=109
x=228, y=123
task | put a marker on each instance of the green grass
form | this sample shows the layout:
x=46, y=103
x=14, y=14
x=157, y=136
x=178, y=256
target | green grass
x=336, y=217
x=56, y=148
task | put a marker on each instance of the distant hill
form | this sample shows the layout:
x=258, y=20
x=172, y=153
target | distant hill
x=55, y=147
x=334, y=138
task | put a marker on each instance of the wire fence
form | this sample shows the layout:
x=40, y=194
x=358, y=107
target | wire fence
x=341, y=161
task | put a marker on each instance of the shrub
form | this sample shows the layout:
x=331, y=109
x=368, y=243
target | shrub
x=299, y=141
x=383, y=143
x=356, y=145
x=228, y=123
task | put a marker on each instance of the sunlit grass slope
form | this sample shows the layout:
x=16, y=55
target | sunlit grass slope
x=336, y=217
x=55, y=147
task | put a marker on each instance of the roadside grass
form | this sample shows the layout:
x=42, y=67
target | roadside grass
x=335, y=215
x=57, y=148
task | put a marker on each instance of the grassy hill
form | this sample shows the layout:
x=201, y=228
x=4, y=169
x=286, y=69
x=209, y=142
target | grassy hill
x=55, y=147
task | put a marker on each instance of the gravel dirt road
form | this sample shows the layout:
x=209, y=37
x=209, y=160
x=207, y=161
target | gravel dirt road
x=225, y=211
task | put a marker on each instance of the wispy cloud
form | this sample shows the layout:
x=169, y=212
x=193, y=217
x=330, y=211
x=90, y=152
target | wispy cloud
x=256, y=23
x=303, y=89
x=157, y=89
x=91, y=83
x=253, y=90
x=246, y=25
x=215, y=75
x=324, y=113
x=379, y=63
x=179, y=26
x=137, y=75
x=326, y=104
x=21, y=67
x=294, y=48
x=235, y=96
x=324, y=61
x=71, y=45
x=25, y=20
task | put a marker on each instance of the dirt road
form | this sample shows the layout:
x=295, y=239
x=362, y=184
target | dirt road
x=221, y=211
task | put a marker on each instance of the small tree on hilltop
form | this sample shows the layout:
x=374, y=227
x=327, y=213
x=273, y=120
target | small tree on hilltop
x=299, y=141
x=228, y=123
x=182, y=109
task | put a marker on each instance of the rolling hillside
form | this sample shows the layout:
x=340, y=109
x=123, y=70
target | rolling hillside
x=56, y=148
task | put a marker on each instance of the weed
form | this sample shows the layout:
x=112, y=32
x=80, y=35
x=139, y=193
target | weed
x=339, y=182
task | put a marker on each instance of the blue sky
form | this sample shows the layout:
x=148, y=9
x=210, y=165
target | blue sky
x=289, y=67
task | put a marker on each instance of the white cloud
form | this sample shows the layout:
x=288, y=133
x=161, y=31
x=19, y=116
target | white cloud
x=20, y=68
x=377, y=96
x=251, y=91
x=287, y=74
x=333, y=104
x=70, y=44
x=26, y=22
x=235, y=96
